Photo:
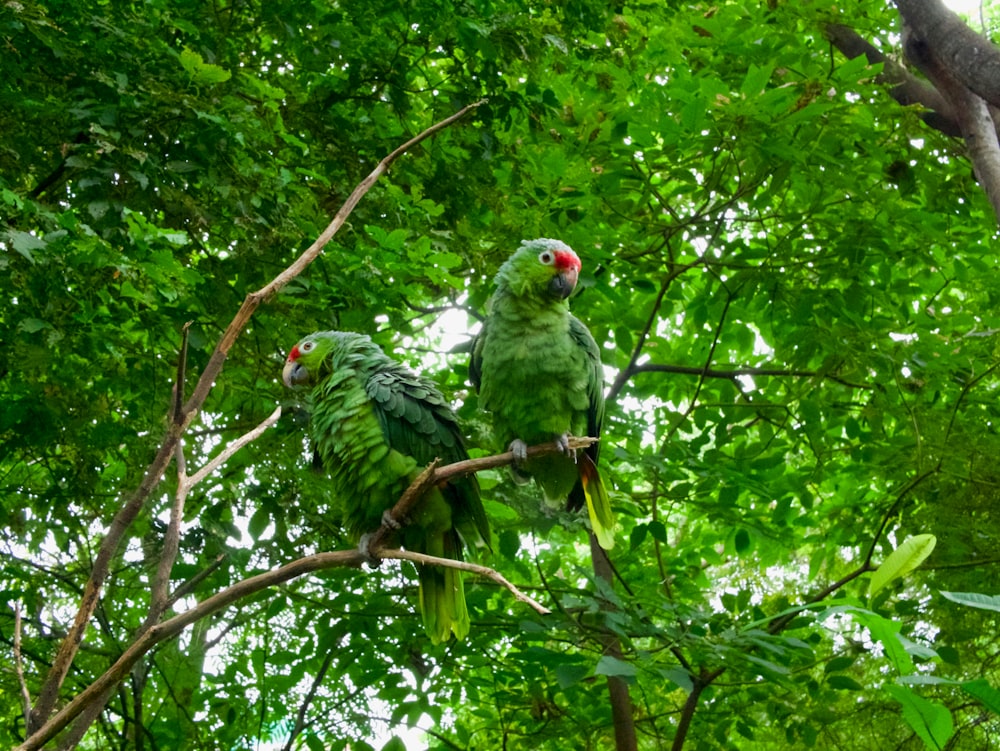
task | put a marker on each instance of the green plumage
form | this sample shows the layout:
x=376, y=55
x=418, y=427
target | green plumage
x=538, y=372
x=375, y=425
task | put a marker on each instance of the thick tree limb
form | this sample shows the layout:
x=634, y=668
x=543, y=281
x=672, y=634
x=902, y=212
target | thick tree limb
x=907, y=89
x=965, y=68
x=134, y=502
x=970, y=57
x=622, y=714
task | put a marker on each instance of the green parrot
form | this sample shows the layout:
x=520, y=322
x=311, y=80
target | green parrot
x=538, y=371
x=375, y=425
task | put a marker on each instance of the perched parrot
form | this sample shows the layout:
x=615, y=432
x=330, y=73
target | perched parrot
x=375, y=425
x=538, y=371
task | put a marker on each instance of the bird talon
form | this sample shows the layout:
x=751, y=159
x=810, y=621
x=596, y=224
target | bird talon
x=364, y=547
x=520, y=450
x=388, y=520
x=562, y=442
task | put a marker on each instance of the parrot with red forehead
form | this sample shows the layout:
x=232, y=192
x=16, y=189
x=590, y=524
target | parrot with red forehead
x=538, y=372
x=375, y=425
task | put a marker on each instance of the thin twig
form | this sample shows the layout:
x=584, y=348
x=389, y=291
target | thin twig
x=232, y=448
x=190, y=584
x=472, y=568
x=300, y=715
x=735, y=373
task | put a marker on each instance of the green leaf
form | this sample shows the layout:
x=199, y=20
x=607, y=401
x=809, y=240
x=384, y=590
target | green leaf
x=910, y=554
x=567, y=675
x=844, y=683
x=637, y=535
x=25, y=242
x=975, y=600
x=509, y=542
x=931, y=721
x=32, y=325
x=887, y=632
x=202, y=73
x=838, y=663
x=612, y=666
x=981, y=690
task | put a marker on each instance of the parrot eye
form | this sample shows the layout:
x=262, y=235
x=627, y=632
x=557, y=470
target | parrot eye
x=307, y=346
x=547, y=257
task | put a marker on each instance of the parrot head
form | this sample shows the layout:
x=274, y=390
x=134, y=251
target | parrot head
x=541, y=266
x=322, y=352
x=302, y=368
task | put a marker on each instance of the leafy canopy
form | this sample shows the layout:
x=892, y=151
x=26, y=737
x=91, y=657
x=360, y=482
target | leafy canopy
x=793, y=279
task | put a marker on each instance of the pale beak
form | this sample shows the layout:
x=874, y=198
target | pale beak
x=294, y=374
x=563, y=283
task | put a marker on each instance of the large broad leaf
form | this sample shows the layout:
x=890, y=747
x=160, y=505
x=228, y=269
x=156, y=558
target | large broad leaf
x=932, y=722
x=988, y=696
x=902, y=561
x=974, y=600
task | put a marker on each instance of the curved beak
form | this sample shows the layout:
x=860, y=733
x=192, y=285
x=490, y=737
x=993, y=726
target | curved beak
x=294, y=374
x=563, y=283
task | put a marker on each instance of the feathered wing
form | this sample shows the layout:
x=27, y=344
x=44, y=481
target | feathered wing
x=417, y=422
x=590, y=489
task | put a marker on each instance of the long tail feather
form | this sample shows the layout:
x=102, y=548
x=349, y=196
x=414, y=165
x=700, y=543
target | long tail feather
x=602, y=520
x=442, y=596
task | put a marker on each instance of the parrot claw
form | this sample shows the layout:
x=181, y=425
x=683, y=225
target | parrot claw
x=364, y=547
x=520, y=450
x=389, y=520
x=563, y=442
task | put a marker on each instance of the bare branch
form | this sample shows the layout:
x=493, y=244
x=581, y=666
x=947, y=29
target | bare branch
x=965, y=68
x=232, y=448
x=434, y=475
x=472, y=568
x=970, y=57
x=19, y=662
x=907, y=89
x=98, y=691
x=735, y=373
x=300, y=715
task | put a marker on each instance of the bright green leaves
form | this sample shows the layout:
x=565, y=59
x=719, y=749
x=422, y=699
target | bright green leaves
x=904, y=559
x=975, y=600
x=931, y=721
x=200, y=72
x=26, y=244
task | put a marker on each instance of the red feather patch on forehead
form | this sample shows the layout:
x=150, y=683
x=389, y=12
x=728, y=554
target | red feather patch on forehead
x=566, y=258
x=294, y=354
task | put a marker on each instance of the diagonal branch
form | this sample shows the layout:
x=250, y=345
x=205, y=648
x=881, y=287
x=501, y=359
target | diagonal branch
x=103, y=686
x=906, y=89
x=472, y=568
x=135, y=501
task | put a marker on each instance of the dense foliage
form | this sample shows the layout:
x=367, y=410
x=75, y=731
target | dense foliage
x=793, y=278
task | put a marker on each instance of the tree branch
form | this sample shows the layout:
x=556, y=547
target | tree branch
x=19, y=663
x=968, y=56
x=100, y=689
x=472, y=568
x=735, y=373
x=965, y=68
x=907, y=89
